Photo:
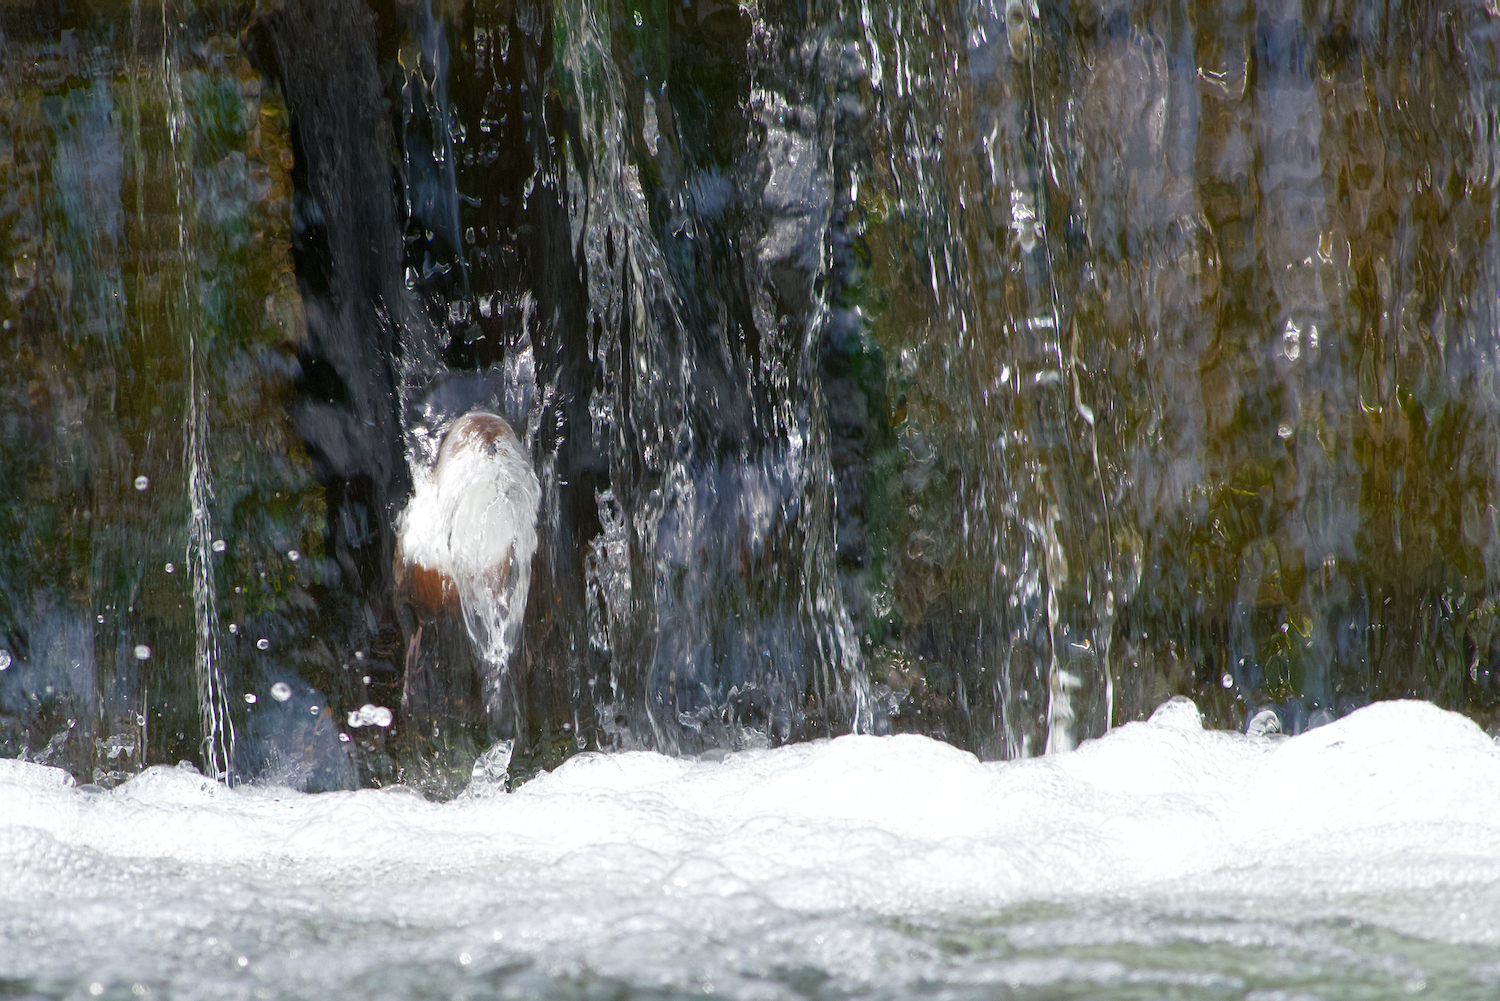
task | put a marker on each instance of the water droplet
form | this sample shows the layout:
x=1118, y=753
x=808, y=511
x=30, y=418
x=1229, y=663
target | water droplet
x=142, y=652
x=234, y=628
x=143, y=483
x=250, y=699
x=1227, y=681
x=242, y=962
x=315, y=710
x=99, y=619
x=96, y=988
x=220, y=545
x=344, y=737
x=293, y=555
x=464, y=959
x=1264, y=723
x=4, y=660
x=1285, y=431
x=140, y=720
x=1291, y=341
x=262, y=644
x=365, y=679
x=171, y=568
x=281, y=691
x=367, y=715
x=359, y=655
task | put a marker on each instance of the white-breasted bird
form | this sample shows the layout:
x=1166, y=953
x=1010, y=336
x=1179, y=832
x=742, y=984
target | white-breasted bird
x=468, y=535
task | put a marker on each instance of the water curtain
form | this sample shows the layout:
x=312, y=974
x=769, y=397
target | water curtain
x=987, y=370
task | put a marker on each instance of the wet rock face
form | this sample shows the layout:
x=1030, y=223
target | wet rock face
x=990, y=372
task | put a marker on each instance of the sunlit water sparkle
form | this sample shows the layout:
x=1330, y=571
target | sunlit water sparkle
x=1360, y=859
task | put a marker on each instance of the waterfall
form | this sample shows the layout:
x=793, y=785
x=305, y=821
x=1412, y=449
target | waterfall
x=767, y=499
x=990, y=371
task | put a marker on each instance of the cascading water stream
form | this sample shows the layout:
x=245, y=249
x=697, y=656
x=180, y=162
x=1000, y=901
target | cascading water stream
x=186, y=325
x=989, y=371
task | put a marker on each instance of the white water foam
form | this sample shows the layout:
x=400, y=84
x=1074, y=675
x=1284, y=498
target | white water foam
x=1159, y=860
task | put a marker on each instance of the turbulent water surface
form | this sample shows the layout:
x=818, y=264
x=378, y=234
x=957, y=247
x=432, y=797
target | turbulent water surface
x=1358, y=860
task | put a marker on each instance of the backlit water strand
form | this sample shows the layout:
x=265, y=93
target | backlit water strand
x=188, y=324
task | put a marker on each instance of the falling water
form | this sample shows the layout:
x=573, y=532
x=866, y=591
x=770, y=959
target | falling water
x=986, y=371
x=185, y=324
